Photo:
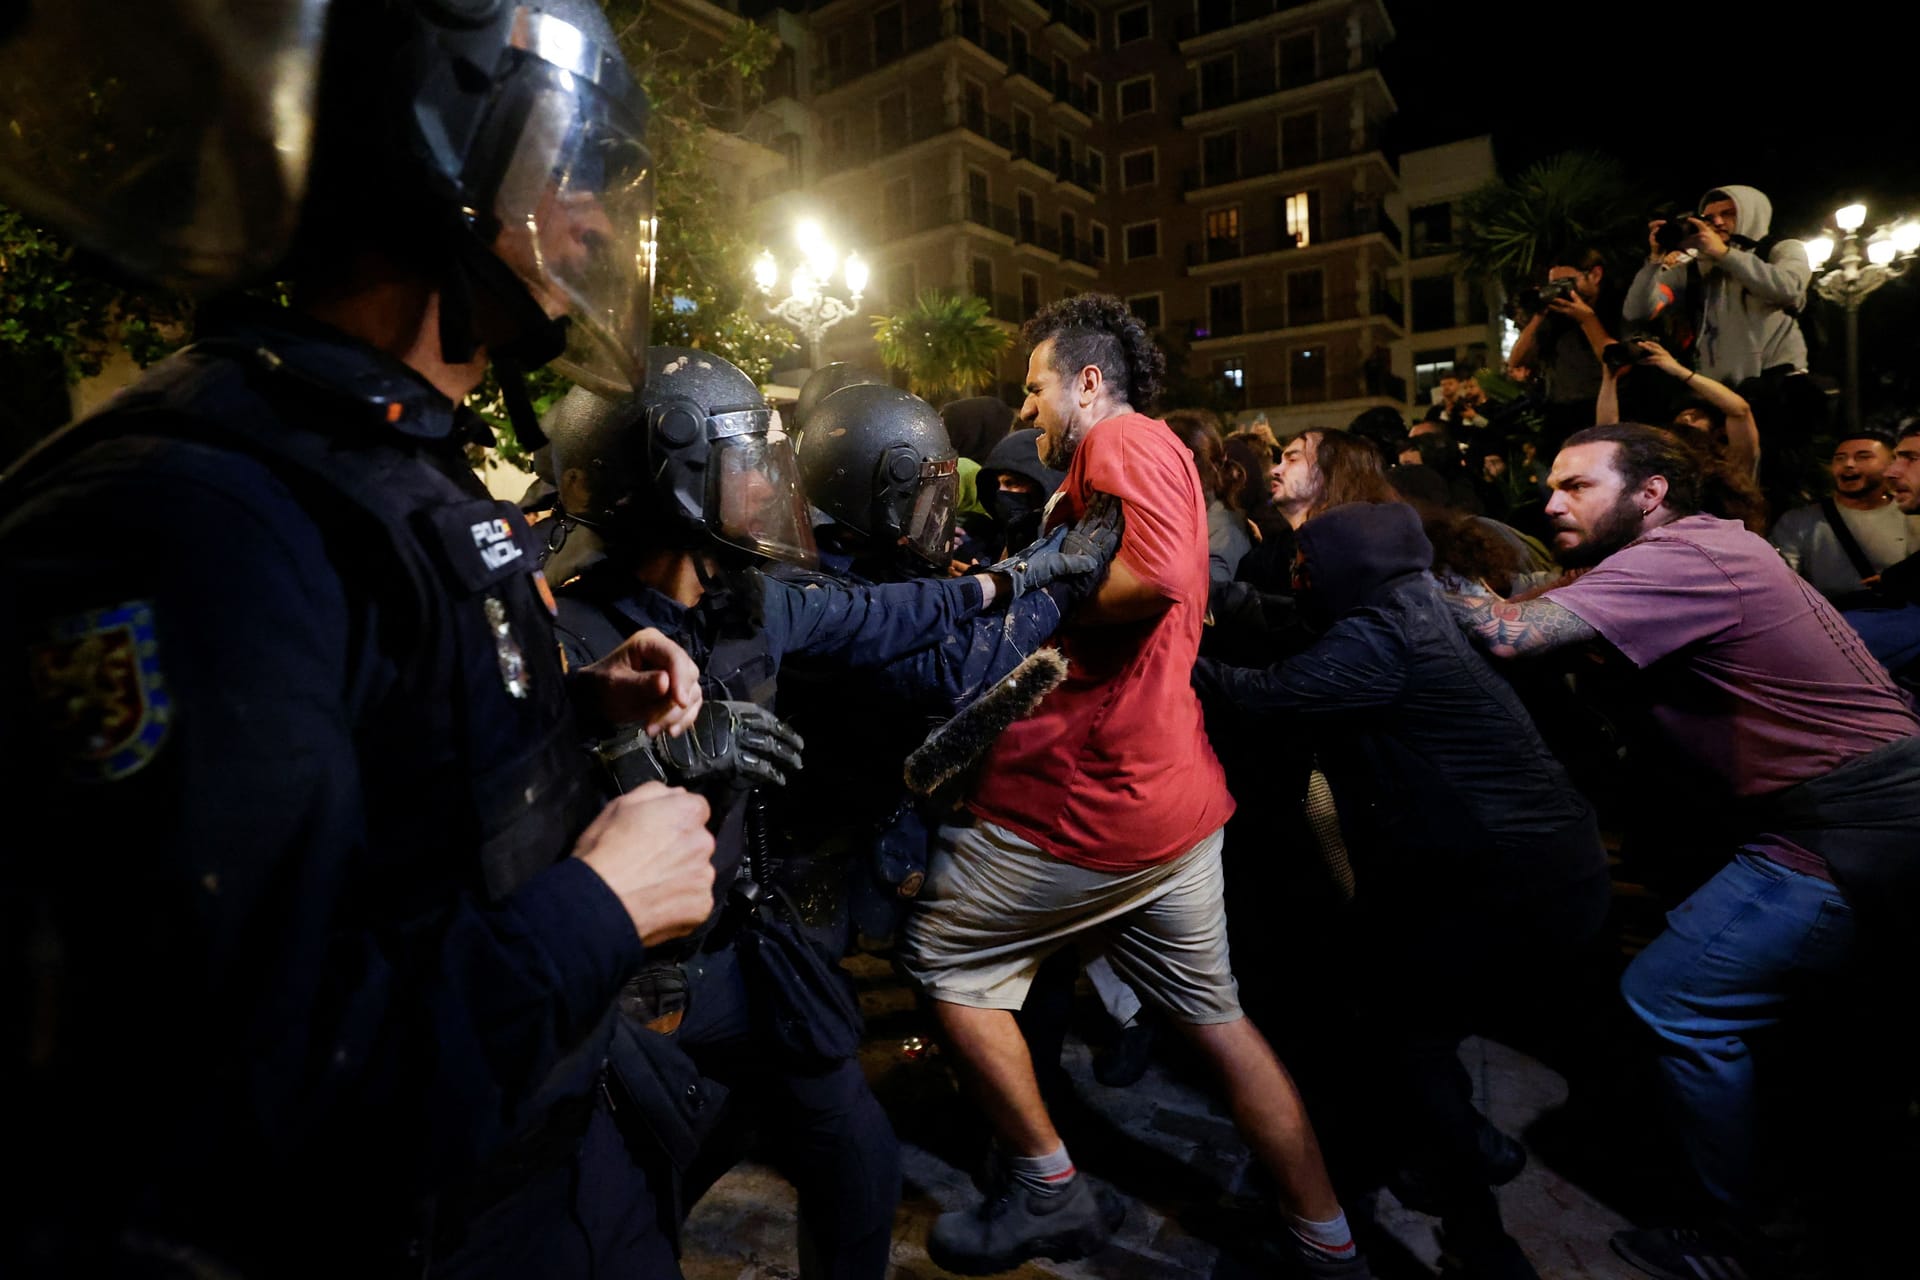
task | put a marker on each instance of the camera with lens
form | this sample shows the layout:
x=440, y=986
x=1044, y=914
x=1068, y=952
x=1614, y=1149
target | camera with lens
x=1618, y=355
x=1678, y=227
x=1536, y=298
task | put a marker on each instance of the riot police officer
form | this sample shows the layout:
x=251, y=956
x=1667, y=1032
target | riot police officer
x=880, y=468
x=690, y=485
x=313, y=984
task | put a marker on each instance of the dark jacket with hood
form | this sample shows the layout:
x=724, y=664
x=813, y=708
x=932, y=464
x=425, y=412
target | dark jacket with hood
x=1746, y=308
x=1445, y=790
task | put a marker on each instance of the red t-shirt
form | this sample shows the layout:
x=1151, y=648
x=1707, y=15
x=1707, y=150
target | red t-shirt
x=1114, y=771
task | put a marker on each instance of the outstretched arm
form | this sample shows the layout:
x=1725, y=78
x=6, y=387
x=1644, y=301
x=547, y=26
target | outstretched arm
x=1509, y=629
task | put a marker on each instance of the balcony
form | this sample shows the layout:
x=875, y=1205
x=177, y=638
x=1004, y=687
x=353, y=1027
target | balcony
x=922, y=33
x=1298, y=314
x=978, y=120
x=1033, y=151
x=1267, y=162
x=1254, y=83
x=1034, y=69
x=1359, y=221
x=1076, y=18
x=1003, y=306
x=963, y=209
x=1223, y=14
x=1349, y=386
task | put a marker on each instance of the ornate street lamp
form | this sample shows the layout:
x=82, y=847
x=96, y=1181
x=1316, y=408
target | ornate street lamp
x=808, y=306
x=1859, y=270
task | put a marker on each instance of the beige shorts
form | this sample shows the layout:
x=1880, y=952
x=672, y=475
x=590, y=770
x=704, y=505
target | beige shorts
x=994, y=907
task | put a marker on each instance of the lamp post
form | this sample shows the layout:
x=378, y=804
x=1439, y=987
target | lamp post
x=808, y=306
x=1860, y=269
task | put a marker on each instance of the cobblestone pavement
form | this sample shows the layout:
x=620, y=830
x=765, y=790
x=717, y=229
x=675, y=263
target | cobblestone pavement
x=1194, y=1207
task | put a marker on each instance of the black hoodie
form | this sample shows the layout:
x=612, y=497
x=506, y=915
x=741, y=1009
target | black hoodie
x=1445, y=790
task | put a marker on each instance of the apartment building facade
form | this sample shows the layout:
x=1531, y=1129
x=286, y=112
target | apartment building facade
x=1218, y=164
x=1452, y=319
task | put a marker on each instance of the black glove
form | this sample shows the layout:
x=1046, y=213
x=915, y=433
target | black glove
x=1075, y=557
x=729, y=740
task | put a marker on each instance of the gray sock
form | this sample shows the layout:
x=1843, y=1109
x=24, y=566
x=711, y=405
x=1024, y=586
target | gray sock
x=1046, y=1175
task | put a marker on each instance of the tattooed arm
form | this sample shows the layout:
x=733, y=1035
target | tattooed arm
x=1510, y=629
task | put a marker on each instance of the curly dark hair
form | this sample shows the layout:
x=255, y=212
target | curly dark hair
x=1097, y=329
x=1645, y=452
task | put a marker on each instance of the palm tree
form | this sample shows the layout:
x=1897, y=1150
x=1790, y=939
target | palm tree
x=1568, y=202
x=944, y=342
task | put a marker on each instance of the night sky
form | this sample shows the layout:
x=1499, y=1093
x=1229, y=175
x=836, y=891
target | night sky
x=1688, y=95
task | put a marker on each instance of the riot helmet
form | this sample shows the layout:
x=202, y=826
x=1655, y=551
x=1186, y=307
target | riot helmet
x=877, y=461
x=494, y=145
x=823, y=382
x=695, y=461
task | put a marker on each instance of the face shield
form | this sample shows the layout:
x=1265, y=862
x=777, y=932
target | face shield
x=574, y=204
x=754, y=501
x=173, y=140
x=929, y=527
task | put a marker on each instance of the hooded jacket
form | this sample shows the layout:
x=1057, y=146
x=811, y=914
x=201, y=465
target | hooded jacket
x=1747, y=322
x=1445, y=790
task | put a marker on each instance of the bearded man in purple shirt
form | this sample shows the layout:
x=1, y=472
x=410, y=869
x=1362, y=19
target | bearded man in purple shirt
x=1746, y=670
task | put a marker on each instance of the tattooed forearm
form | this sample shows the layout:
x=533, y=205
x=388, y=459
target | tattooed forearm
x=1511, y=629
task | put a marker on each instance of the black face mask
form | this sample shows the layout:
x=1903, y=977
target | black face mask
x=1018, y=515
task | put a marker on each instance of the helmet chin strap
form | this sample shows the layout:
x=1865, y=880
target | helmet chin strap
x=527, y=337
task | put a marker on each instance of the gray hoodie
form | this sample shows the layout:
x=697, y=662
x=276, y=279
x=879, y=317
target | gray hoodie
x=1744, y=326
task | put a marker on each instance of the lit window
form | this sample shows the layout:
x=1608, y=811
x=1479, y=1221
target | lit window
x=1298, y=219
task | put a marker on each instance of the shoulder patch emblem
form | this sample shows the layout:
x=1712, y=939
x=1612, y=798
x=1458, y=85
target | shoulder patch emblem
x=102, y=697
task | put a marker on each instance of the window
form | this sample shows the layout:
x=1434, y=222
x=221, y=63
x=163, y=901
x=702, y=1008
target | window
x=1016, y=50
x=1225, y=319
x=1136, y=96
x=1096, y=170
x=1135, y=23
x=1431, y=226
x=1306, y=296
x=1028, y=214
x=1093, y=97
x=1220, y=157
x=1138, y=168
x=900, y=284
x=889, y=33
x=1230, y=375
x=1029, y=293
x=1300, y=139
x=891, y=114
x=1223, y=234
x=1428, y=368
x=1300, y=216
x=1063, y=149
x=1097, y=238
x=974, y=95
x=1307, y=375
x=1022, y=133
x=1432, y=303
x=1069, y=232
x=1216, y=81
x=837, y=136
x=1298, y=60
x=979, y=198
x=833, y=55
x=898, y=195
x=982, y=278
x=1060, y=76
x=1146, y=309
x=1142, y=240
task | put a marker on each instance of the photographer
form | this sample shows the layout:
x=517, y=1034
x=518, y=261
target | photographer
x=1708, y=410
x=1740, y=291
x=1573, y=319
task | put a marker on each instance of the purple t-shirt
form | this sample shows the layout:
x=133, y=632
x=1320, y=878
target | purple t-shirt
x=1750, y=670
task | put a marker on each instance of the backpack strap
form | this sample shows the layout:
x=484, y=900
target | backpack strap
x=1861, y=565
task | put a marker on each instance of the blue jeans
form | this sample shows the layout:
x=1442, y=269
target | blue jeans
x=1751, y=944
x=1891, y=635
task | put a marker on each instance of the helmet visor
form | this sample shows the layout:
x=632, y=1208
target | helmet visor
x=929, y=528
x=575, y=217
x=754, y=498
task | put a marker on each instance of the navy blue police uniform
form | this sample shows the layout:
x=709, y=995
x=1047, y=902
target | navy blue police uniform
x=301, y=947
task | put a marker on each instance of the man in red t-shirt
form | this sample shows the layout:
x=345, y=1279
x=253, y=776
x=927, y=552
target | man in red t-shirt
x=1097, y=825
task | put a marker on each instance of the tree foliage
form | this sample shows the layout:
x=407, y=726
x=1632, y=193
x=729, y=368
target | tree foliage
x=1568, y=202
x=944, y=342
